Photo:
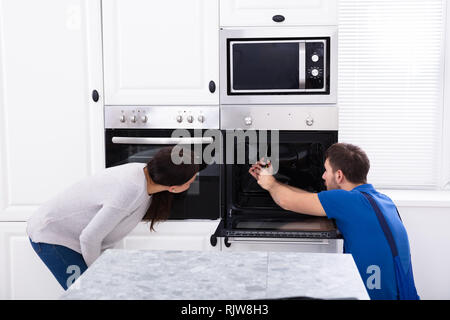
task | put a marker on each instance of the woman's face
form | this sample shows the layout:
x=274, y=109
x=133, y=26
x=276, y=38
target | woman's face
x=183, y=187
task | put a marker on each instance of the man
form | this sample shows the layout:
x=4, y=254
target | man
x=346, y=168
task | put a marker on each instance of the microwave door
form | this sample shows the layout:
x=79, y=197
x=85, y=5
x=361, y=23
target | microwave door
x=266, y=67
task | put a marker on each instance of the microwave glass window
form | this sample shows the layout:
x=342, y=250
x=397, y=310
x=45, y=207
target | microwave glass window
x=262, y=66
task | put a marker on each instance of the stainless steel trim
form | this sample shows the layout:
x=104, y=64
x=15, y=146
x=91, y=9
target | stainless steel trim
x=231, y=67
x=181, y=140
x=301, y=65
x=279, y=240
x=279, y=117
x=267, y=41
x=162, y=117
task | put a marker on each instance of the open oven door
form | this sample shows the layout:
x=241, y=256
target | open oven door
x=272, y=230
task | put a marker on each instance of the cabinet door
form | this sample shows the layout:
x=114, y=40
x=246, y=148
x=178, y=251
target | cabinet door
x=22, y=273
x=172, y=235
x=51, y=130
x=160, y=52
x=261, y=12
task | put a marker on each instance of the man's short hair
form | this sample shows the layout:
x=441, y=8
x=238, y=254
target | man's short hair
x=350, y=159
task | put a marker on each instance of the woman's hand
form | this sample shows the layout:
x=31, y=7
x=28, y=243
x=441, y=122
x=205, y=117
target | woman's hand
x=263, y=173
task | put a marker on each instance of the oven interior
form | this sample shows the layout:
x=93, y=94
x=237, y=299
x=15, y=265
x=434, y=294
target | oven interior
x=300, y=165
x=200, y=201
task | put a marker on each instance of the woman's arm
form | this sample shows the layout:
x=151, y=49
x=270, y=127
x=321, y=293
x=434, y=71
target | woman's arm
x=91, y=238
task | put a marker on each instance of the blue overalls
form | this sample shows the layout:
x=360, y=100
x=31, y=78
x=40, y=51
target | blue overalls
x=374, y=234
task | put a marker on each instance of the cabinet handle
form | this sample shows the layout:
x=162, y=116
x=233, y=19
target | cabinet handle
x=95, y=95
x=278, y=18
x=212, y=86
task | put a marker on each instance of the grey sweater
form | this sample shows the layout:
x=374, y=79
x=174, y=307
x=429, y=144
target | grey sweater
x=95, y=213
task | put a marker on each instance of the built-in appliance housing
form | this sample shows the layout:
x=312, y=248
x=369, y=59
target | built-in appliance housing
x=280, y=82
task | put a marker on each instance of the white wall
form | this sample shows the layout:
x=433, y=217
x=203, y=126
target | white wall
x=429, y=237
x=426, y=215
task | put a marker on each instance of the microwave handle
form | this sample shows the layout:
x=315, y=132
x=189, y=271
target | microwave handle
x=171, y=140
x=301, y=65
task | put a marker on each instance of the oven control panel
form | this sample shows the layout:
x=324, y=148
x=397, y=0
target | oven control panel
x=162, y=117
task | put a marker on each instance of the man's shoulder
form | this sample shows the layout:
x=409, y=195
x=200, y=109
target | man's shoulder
x=340, y=194
x=339, y=202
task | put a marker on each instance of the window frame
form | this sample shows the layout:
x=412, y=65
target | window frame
x=444, y=167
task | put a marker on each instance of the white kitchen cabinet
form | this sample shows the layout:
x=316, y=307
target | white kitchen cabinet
x=51, y=130
x=24, y=276
x=257, y=13
x=22, y=273
x=172, y=235
x=161, y=52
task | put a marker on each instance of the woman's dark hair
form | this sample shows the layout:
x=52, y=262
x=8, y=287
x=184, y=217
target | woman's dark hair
x=162, y=170
x=350, y=159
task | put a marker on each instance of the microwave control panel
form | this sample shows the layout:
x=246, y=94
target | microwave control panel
x=314, y=65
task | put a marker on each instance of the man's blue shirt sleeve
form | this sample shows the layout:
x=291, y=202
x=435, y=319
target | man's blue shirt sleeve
x=335, y=203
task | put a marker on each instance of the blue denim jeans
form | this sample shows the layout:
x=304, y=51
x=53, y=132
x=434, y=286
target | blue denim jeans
x=65, y=264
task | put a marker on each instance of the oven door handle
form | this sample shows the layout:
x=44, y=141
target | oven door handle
x=278, y=241
x=180, y=140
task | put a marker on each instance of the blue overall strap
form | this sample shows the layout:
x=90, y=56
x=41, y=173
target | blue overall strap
x=398, y=213
x=405, y=280
x=383, y=224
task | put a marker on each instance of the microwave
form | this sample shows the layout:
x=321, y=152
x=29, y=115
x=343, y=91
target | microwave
x=278, y=65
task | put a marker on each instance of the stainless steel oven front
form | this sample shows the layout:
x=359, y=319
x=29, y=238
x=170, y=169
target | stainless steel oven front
x=136, y=134
x=278, y=65
x=300, y=134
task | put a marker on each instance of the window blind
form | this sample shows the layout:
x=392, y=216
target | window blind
x=390, y=92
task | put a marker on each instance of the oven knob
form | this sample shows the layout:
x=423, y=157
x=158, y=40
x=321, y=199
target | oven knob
x=144, y=119
x=122, y=118
x=179, y=118
x=309, y=121
x=248, y=120
x=315, y=58
x=133, y=119
x=190, y=119
x=314, y=72
x=201, y=118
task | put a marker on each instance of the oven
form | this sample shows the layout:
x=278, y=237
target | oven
x=251, y=217
x=136, y=134
x=278, y=65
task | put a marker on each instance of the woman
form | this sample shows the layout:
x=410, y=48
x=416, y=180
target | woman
x=70, y=231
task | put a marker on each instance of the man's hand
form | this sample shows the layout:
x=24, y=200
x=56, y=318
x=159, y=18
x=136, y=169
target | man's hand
x=262, y=171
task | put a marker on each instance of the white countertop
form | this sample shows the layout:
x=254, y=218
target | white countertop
x=216, y=275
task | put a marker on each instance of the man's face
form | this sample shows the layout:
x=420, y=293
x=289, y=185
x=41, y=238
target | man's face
x=329, y=177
